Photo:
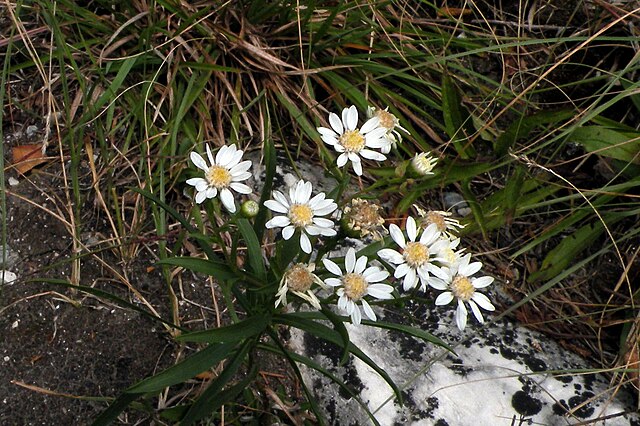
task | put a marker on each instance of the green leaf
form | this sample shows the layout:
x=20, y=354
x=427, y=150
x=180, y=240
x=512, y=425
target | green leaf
x=111, y=414
x=608, y=142
x=213, y=397
x=254, y=251
x=215, y=269
x=232, y=333
x=569, y=248
x=522, y=127
x=455, y=118
x=184, y=370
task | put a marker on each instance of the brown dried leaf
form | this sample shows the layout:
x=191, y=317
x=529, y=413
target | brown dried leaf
x=26, y=157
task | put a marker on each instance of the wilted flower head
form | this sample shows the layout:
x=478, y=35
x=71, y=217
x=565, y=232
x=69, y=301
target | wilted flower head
x=459, y=284
x=353, y=142
x=442, y=220
x=301, y=213
x=225, y=173
x=422, y=164
x=357, y=282
x=415, y=261
x=362, y=217
x=299, y=279
x=390, y=123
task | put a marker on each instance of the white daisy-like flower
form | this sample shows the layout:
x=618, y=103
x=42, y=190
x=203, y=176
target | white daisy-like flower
x=391, y=124
x=357, y=282
x=460, y=285
x=300, y=212
x=299, y=279
x=416, y=261
x=353, y=142
x=225, y=173
x=423, y=164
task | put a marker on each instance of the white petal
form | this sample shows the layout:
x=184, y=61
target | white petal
x=380, y=291
x=373, y=274
x=483, y=301
x=350, y=260
x=372, y=155
x=305, y=243
x=327, y=133
x=276, y=206
x=356, y=316
x=397, y=235
x=332, y=267
x=361, y=265
x=357, y=167
x=336, y=123
x=391, y=256
x=410, y=280
x=482, y=282
x=325, y=210
x=303, y=192
x=476, y=311
x=227, y=199
x=342, y=159
x=240, y=188
x=209, y=155
x=402, y=270
x=368, y=311
x=461, y=315
x=211, y=192
x=412, y=229
x=438, y=284
x=470, y=269
x=351, y=121
x=224, y=154
x=196, y=181
x=325, y=223
x=279, y=197
x=240, y=168
x=370, y=124
x=444, y=298
x=200, y=197
x=431, y=234
x=333, y=282
x=198, y=161
x=278, y=221
x=287, y=232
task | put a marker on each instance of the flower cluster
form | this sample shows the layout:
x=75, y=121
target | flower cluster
x=426, y=254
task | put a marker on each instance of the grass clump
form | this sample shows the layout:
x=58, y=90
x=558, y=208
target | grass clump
x=531, y=113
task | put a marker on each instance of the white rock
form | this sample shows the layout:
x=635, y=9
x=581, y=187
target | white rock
x=8, y=277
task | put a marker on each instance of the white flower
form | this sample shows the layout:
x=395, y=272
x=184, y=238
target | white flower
x=300, y=213
x=351, y=142
x=225, y=173
x=390, y=123
x=423, y=163
x=357, y=282
x=415, y=263
x=298, y=279
x=460, y=285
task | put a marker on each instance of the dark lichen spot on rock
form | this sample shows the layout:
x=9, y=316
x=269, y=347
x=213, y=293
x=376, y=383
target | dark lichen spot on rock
x=535, y=364
x=525, y=404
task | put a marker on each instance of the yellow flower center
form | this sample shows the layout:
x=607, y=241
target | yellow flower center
x=299, y=278
x=462, y=288
x=352, y=141
x=300, y=215
x=387, y=120
x=218, y=177
x=416, y=254
x=355, y=286
x=450, y=255
x=438, y=219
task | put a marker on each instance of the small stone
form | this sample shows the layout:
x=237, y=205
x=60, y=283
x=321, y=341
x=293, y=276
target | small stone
x=15, y=324
x=6, y=359
x=13, y=181
x=32, y=130
x=8, y=277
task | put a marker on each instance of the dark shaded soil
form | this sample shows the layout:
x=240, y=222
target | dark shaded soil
x=63, y=342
